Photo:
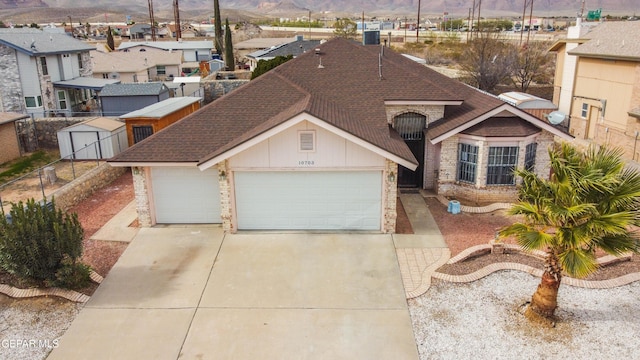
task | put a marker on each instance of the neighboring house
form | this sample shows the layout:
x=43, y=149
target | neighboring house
x=45, y=72
x=323, y=141
x=135, y=66
x=258, y=43
x=9, y=143
x=597, y=83
x=96, y=138
x=191, y=50
x=140, y=31
x=149, y=120
x=295, y=48
x=119, y=99
x=187, y=31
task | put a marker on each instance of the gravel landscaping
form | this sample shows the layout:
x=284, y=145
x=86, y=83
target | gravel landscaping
x=482, y=320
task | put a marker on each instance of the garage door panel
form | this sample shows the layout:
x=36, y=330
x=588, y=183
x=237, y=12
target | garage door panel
x=309, y=200
x=185, y=196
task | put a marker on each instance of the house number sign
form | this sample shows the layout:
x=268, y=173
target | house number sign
x=306, y=163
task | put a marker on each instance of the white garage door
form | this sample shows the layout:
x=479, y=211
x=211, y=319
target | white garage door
x=185, y=195
x=309, y=200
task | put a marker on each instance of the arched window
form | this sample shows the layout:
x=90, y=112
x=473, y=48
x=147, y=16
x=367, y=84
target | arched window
x=410, y=125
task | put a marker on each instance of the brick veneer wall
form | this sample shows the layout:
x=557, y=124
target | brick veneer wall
x=85, y=185
x=225, y=197
x=480, y=192
x=391, y=194
x=141, y=191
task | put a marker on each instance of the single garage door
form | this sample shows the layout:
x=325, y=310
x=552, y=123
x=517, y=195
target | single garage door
x=185, y=195
x=349, y=200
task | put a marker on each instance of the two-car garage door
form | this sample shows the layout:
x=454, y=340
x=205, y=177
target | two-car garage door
x=272, y=200
x=308, y=200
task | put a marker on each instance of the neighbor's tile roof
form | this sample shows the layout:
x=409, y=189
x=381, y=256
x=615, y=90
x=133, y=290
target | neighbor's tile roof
x=36, y=42
x=612, y=40
x=346, y=92
x=136, y=89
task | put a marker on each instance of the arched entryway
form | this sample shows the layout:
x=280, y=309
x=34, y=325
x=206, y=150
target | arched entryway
x=411, y=127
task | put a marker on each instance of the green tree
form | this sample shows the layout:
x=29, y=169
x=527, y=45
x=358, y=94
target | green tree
x=266, y=65
x=589, y=202
x=229, y=60
x=110, y=43
x=217, y=27
x=42, y=243
x=345, y=28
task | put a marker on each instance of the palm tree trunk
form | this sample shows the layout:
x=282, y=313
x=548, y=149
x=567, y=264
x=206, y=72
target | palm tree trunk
x=545, y=300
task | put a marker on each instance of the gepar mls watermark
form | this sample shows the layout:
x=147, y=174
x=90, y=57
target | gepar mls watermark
x=29, y=343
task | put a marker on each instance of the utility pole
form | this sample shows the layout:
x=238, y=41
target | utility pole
x=469, y=25
x=176, y=19
x=527, y=3
x=152, y=20
x=473, y=18
x=418, y=23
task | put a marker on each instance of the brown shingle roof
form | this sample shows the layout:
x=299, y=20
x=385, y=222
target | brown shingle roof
x=346, y=92
x=503, y=127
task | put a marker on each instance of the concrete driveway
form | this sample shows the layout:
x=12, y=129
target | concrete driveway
x=193, y=292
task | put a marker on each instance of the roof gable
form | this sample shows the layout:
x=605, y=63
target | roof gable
x=37, y=42
x=437, y=132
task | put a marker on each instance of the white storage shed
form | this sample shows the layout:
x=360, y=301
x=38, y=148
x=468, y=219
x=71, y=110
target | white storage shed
x=98, y=138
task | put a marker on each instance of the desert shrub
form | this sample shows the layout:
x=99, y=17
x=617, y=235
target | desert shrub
x=39, y=240
x=72, y=275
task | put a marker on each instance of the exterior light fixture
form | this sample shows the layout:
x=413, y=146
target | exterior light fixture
x=392, y=177
x=222, y=175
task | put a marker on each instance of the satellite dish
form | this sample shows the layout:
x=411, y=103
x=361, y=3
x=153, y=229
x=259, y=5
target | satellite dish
x=556, y=117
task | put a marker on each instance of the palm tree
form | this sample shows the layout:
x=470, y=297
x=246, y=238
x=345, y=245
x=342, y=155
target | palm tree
x=590, y=202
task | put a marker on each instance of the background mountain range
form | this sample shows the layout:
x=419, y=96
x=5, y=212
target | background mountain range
x=331, y=8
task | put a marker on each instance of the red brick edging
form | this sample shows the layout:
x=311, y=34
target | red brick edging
x=491, y=268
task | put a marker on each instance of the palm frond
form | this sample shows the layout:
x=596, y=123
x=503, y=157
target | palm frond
x=577, y=262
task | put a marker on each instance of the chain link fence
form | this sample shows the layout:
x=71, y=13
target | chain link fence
x=43, y=182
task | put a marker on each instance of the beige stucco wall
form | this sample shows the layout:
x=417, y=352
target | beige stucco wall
x=618, y=84
x=557, y=79
x=281, y=152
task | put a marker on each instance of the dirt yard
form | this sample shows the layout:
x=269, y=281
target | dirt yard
x=30, y=185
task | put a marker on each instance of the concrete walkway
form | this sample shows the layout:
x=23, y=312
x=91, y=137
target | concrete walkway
x=421, y=253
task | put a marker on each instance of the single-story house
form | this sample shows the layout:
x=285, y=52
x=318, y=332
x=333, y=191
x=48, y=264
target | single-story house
x=149, y=120
x=97, y=138
x=119, y=99
x=9, y=143
x=323, y=142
